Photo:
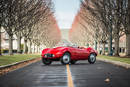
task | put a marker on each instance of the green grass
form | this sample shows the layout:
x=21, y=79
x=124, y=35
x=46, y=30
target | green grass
x=5, y=60
x=125, y=60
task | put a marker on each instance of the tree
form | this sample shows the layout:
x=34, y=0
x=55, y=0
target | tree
x=9, y=20
x=114, y=18
x=1, y=13
x=21, y=16
x=126, y=24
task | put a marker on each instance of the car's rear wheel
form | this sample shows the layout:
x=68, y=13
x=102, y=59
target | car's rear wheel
x=92, y=58
x=65, y=58
x=46, y=61
x=73, y=61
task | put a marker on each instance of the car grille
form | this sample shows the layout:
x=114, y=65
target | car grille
x=49, y=55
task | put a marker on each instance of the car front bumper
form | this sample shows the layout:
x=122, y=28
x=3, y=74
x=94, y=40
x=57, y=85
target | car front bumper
x=52, y=56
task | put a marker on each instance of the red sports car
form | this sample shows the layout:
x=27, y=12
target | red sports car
x=68, y=55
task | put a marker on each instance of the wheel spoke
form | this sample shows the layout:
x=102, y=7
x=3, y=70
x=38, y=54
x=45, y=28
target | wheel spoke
x=92, y=58
x=66, y=58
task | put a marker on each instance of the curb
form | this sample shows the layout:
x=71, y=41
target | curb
x=16, y=63
x=118, y=63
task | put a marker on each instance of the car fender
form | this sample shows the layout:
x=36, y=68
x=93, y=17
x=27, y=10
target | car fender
x=65, y=50
x=44, y=51
x=91, y=50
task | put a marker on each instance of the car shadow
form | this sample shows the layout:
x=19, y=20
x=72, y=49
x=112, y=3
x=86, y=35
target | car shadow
x=78, y=63
x=65, y=65
x=53, y=65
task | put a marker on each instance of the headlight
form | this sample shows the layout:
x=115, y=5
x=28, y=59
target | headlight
x=45, y=55
x=53, y=55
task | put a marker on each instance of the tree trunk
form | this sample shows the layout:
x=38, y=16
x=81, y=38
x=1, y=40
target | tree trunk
x=110, y=53
x=40, y=49
x=10, y=45
x=25, y=46
x=128, y=45
x=116, y=51
x=128, y=33
x=34, y=48
x=29, y=48
x=37, y=49
x=95, y=45
x=103, y=50
x=18, y=43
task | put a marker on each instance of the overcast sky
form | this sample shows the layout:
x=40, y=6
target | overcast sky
x=65, y=11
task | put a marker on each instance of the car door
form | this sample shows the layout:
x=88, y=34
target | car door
x=81, y=53
x=74, y=52
x=78, y=53
x=85, y=53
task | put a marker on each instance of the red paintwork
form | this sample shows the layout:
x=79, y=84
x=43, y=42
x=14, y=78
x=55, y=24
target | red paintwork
x=79, y=53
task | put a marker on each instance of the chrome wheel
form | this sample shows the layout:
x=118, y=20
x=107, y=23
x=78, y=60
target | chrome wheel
x=92, y=58
x=65, y=58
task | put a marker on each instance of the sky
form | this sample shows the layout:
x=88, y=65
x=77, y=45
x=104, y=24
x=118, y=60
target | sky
x=65, y=11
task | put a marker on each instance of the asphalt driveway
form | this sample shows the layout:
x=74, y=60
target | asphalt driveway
x=83, y=74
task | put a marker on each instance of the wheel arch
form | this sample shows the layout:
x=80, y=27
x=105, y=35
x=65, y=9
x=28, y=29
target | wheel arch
x=93, y=53
x=62, y=59
x=67, y=52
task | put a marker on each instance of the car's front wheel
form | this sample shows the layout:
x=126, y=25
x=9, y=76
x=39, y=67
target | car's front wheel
x=46, y=61
x=65, y=58
x=92, y=58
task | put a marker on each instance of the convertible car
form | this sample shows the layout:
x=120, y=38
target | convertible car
x=68, y=55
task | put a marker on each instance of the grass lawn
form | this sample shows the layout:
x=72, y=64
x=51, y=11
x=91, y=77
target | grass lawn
x=125, y=60
x=5, y=60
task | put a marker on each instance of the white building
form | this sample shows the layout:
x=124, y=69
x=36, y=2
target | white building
x=5, y=40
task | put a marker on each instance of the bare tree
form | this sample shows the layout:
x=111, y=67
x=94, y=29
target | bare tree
x=9, y=20
x=126, y=24
x=36, y=11
x=20, y=16
x=1, y=13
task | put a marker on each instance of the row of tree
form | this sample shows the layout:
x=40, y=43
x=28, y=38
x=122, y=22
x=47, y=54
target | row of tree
x=103, y=21
x=32, y=20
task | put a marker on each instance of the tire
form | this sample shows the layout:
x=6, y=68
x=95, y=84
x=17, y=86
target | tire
x=46, y=61
x=66, y=58
x=73, y=61
x=92, y=58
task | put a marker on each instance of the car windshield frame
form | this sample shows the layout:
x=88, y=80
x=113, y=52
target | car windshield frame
x=67, y=45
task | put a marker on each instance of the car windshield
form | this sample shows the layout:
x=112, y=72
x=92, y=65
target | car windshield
x=66, y=45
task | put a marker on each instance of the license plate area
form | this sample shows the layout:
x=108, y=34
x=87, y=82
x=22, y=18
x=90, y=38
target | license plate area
x=48, y=55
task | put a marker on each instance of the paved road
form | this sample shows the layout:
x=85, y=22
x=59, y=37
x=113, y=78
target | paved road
x=56, y=75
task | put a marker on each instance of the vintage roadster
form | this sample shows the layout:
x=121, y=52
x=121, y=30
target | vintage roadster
x=68, y=54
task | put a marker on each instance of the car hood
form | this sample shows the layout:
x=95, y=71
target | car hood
x=54, y=50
